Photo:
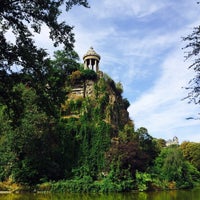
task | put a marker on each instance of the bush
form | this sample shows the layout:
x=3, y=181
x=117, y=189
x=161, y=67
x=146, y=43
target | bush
x=142, y=180
x=75, y=185
x=126, y=103
x=89, y=74
x=76, y=76
x=119, y=88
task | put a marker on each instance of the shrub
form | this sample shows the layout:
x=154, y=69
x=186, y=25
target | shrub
x=142, y=180
x=89, y=74
x=76, y=76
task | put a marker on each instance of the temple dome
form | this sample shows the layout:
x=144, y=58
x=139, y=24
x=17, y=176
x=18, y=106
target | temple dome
x=91, y=53
x=91, y=60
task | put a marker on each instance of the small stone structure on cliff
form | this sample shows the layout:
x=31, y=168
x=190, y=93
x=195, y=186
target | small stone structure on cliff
x=91, y=60
x=102, y=92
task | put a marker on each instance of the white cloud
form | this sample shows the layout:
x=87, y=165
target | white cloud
x=142, y=8
x=85, y=38
x=134, y=39
x=160, y=109
x=134, y=36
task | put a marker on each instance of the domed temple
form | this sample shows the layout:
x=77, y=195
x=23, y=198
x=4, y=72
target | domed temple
x=91, y=60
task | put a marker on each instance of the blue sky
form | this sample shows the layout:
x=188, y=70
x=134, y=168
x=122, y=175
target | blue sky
x=140, y=45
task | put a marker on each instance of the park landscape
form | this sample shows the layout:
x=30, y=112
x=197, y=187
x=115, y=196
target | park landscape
x=65, y=123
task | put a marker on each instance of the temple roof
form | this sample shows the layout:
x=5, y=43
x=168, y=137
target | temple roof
x=91, y=52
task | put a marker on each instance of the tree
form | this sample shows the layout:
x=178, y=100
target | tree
x=127, y=156
x=23, y=18
x=171, y=166
x=191, y=151
x=193, y=51
x=5, y=151
x=16, y=14
x=50, y=86
x=22, y=140
x=147, y=144
x=66, y=60
x=38, y=149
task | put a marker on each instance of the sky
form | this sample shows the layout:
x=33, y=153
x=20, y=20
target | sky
x=140, y=43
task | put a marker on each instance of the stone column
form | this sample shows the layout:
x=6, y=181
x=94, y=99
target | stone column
x=91, y=59
x=96, y=66
x=90, y=64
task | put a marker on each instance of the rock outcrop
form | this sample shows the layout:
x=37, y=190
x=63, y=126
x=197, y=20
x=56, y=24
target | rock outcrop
x=104, y=96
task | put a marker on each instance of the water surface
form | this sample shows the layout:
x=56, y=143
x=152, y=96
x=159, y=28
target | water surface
x=193, y=194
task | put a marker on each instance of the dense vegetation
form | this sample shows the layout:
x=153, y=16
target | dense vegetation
x=82, y=144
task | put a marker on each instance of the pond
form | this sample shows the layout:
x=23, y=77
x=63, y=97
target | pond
x=193, y=194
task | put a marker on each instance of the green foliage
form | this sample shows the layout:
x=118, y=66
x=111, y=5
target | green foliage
x=11, y=97
x=16, y=15
x=35, y=150
x=33, y=66
x=160, y=143
x=147, y=144
x=94, y=139
x=89, y=74
x=171, y=166
x=89, y=147
x=127, y=133
x=126, y=103
x=119, y=87
x=126, y=156
x=66, y=59
x=87, y=185
x=191, y=151
x=5, y=152
x=82, y=75
x=76, y=185
x=142, y=180
x=51, y=85
x=75, y=76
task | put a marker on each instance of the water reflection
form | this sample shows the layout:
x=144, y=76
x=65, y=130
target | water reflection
x=164, y=195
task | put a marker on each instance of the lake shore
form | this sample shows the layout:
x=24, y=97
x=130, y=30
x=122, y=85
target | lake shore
x=192, y=194
x=9, y=188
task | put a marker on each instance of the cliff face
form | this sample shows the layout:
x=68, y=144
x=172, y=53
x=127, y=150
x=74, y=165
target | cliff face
x=103, y=97
x=82, y=89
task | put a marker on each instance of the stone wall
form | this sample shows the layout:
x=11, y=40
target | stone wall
x=82, y=89
x=115, y=111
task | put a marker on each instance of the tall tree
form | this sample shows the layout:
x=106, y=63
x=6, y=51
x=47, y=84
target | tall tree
x=171, y=166
x=193, y=52
x=22, y=18
x=191, y=151
x=147, y=144
x=50, y=86
x=38, y=149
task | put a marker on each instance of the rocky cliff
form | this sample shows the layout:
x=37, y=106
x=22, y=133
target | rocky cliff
x=101, y=96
